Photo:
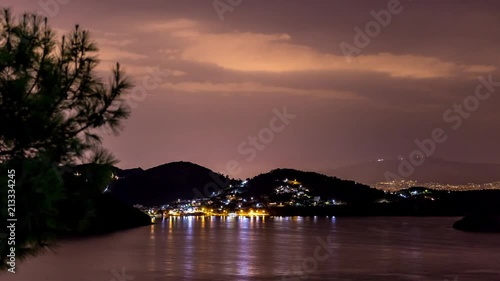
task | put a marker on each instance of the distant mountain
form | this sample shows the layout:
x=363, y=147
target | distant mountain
x=163, y=184
x=432, y=170
x=319, y=185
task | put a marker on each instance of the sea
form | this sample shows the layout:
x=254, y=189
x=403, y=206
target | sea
x=274, y=248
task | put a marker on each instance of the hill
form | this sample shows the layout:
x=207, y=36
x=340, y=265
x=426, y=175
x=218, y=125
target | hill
x=85, y=209
x=165, y=183
x=184, y=180
x=318, y=185
x=127, y=172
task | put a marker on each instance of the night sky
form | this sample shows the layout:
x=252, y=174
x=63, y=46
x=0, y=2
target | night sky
x=222, y=79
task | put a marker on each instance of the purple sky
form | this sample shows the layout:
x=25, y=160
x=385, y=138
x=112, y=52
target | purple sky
x=223, y=78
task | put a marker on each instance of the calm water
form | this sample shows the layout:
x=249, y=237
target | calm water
x=275, y=249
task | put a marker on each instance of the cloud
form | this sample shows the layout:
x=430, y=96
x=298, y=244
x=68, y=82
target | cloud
x=167, y=51
x=115, y=42
x=170, y=25
x=276, y=53
x=109, y=53
x=254, y=52
x=139, y=71
x=111, y=48
x=253, y=87
x=176, y=72
x=479, y=68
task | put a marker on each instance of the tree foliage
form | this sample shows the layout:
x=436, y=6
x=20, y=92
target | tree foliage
x=51, y=99
x=53, y=107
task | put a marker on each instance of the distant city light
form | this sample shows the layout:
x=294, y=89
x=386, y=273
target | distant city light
x=393, y=186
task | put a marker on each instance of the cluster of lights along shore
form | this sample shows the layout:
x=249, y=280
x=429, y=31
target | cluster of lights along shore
x=231, y=202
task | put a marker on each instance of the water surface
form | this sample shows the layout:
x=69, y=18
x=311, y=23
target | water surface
x=279, y=248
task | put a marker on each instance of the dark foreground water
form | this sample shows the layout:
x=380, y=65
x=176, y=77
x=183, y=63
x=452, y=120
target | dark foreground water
x=293, y=248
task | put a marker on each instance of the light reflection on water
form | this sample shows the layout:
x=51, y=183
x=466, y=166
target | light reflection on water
x=212, y=248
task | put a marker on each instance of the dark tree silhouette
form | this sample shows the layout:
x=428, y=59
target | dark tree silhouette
x=53, y=106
